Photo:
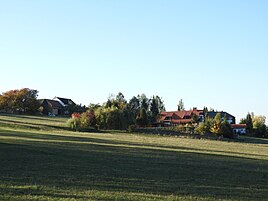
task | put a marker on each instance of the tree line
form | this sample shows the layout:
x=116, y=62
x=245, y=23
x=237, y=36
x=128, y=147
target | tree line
x=255, y=125
x=118, y=113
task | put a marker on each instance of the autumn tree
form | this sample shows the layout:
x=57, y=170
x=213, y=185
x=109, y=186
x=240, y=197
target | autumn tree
x=20, y=101
x=216, y=124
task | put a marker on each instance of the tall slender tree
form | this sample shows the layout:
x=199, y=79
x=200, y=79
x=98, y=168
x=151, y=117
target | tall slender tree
x=181, y=105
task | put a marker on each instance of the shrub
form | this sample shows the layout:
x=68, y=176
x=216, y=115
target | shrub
x=180, y=128
x=87, y=120
x=73, y=123
x=76, y=115
x=131, y=128
x=84, y=122
x=201, y=129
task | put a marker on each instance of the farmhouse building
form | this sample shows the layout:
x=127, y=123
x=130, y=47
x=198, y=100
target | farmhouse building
x=57, y=106
x=51, y=107
x=191, y=116
x=64, y=101
x=230, y=118
x=239, y=128
x=196, y=116
x=181, y=117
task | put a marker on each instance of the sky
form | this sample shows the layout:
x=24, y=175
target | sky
x=207, y=53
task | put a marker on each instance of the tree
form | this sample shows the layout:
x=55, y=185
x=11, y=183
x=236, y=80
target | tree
x=226, y=129
x=1, y=103
x=204, y=127
x=120, y=98
x=134, y=105
x=142, y=118
x=248, y=122
x=82, y=122
x=20, y=101
x=216, y=124
x=259, y=126
x=93, y=107
x=69, y=109
x=144, y=102
x=194, y=118
x=181, y=105
x=156, y=106
x=200, y=129
x=111, y=118
x=87, y=120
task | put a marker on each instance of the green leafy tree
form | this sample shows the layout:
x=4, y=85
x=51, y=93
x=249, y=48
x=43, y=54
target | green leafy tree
x=144, y=102
x=87, y=120
x=226, y=129
x=204, y=127
x=142, y=118
x=93, y=107
x=194, y=118
x=133, y=108
x=73, y=123
x=156, y=106
x=181, y=105
x=248, y=122
x=200, y=129
x=259, y=126
x=111, y=118
x=70, y=109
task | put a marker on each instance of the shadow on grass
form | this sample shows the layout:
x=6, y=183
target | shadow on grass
x=253, y=140
x=32, y=125
x=127, y=169
x=63, y=139
x=34, y=117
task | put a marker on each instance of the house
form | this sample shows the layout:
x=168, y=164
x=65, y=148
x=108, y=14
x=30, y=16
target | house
x=230, y=118
x=239, y=128
x=181, y=117
x=191, y=116
x=51, y=107
x=64, y=101
x=56, y=106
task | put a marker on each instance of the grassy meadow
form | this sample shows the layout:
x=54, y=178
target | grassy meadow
x=42, y=160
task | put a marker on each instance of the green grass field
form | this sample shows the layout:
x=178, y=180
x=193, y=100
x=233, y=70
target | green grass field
x=42, y=160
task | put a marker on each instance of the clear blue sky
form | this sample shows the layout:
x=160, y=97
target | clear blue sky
x=209, y=53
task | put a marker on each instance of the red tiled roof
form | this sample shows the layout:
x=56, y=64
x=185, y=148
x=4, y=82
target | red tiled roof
x=181, y=121
x=238, y=125
x=179, y=117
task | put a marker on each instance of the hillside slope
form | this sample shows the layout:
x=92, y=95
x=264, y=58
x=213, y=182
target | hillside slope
x=42, y=160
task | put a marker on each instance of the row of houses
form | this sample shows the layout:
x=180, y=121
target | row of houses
x=173, y=118
x=55, y=106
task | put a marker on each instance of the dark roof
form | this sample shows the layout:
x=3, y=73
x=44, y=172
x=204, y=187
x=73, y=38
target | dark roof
x=66, y=101
x=53, y=103
x=223, y=114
